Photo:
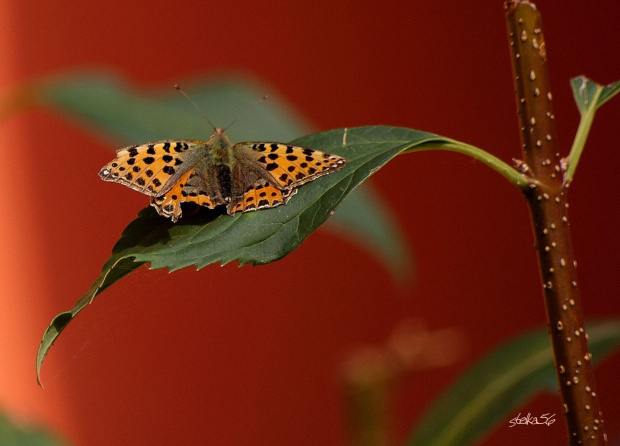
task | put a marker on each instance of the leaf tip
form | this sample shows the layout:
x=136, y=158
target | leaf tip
x=57, y=325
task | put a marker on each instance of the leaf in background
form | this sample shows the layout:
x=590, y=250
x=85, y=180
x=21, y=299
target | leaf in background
x=351, y=221
x=133, y=116
x=12, y=434
x=255, y=237
x=498, y=384
x=118, y=110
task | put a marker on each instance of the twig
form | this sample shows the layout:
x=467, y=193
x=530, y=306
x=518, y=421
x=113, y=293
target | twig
x=546, y=198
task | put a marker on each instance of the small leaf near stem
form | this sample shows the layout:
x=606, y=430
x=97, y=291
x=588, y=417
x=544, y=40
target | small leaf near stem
x=589, y=96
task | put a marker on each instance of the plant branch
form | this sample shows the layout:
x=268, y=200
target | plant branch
x=549, y=212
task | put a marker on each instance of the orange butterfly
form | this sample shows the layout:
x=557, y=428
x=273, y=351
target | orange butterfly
x=245, y=177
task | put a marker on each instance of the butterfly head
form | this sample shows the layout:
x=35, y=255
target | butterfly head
x=219, y=138
x=220, y=146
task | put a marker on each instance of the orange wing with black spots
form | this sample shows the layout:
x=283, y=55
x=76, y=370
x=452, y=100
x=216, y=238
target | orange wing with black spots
x=169, y=204
x=288, y=166
x=153, y=168
x=261, y=195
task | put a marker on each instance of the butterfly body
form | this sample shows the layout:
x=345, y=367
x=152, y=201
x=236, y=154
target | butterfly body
x=244, y=176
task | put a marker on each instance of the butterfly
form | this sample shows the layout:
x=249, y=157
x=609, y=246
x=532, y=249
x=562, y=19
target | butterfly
x=244, y=177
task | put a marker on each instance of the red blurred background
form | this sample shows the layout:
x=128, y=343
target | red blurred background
x=237, y=356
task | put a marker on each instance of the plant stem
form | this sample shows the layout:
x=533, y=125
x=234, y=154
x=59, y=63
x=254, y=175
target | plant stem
x=515, y=177
x=580, y=139
x=546, y=198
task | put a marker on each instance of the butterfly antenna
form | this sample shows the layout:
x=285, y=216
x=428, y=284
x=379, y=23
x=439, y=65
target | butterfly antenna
x=251, y=107
x=177, y=88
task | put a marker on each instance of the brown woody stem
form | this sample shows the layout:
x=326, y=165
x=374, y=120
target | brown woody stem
x=546, y=198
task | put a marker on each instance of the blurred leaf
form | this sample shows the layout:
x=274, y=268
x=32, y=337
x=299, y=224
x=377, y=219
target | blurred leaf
x=380, y=235
x=13, y=435
x=498, y=384
x=255, y=237
x=118, y=110
x=134, y=116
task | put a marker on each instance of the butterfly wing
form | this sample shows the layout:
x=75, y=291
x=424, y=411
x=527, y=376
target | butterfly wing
x=153, y=168
x=169, y=204
x=262, y=175
x=285, y=166
x=260, y=195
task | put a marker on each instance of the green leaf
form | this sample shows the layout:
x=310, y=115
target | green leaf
x=495, y=387
x=211, y=236
x=13, y=435
x=589, y=96
x=111, y=107
x=115, y=109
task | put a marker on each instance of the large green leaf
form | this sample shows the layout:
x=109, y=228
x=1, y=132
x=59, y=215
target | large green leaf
x=261, y=237
x=496, y=386
x=130, y=116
